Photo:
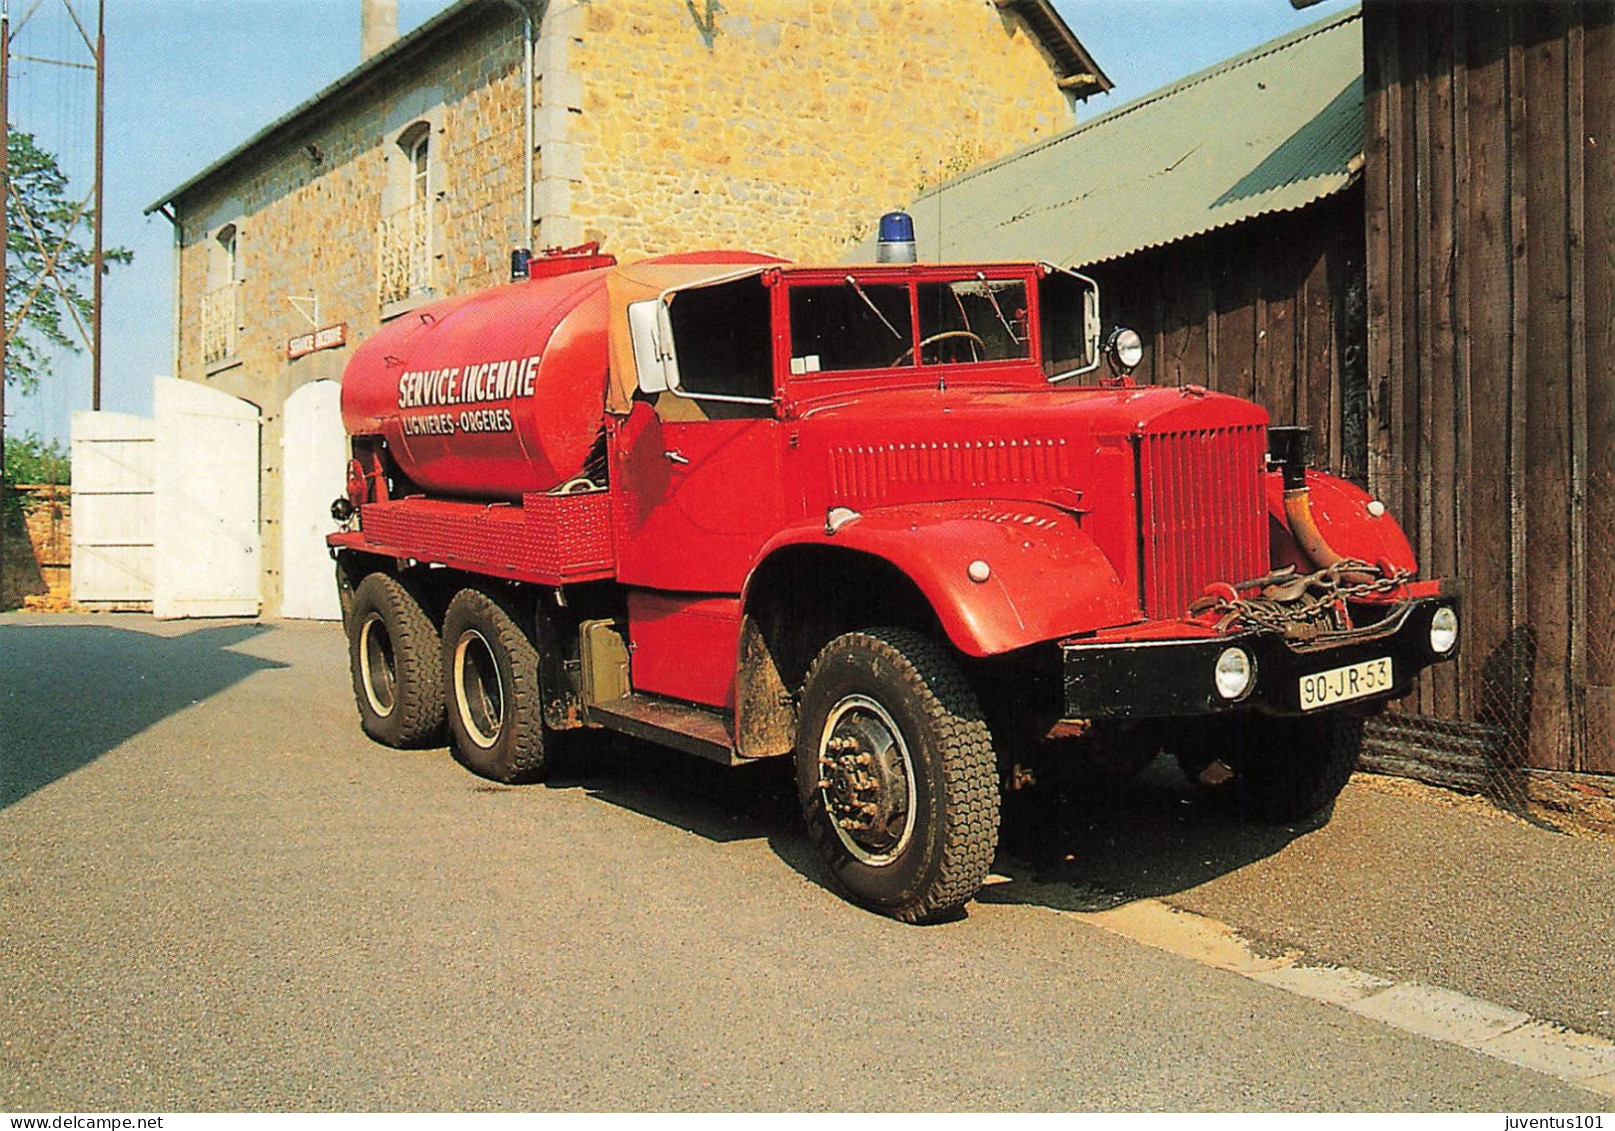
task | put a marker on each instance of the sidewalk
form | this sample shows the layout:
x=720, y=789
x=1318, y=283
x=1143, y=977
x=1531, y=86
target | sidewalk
x=1406, y=882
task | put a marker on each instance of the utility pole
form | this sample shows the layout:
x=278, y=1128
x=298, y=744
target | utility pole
x=100, y=195
x=5, y=255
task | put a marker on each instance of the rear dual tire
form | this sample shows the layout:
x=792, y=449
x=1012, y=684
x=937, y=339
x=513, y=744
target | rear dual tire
x=493, y=688
x=394, y=656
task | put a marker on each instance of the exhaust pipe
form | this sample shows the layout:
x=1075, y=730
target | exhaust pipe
x=1291, y=449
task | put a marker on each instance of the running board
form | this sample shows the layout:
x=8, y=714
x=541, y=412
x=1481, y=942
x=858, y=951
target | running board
x=694, y=730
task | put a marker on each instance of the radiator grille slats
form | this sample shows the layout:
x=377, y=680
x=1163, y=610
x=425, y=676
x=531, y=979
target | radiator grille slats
x=1203, y=516
x=881, y=473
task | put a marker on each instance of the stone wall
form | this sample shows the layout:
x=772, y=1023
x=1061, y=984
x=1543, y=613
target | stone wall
x=784, y=126
x=307, y=227
x=789, y=126
x=39, y=549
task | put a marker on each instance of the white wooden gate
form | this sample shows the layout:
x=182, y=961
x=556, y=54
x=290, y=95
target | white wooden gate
x=114, y=510
x=207, y=546
x=314, y=458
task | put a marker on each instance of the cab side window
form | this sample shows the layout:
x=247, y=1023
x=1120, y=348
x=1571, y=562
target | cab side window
x=723, y=340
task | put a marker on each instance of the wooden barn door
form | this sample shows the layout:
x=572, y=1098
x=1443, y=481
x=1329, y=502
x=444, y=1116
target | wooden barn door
x=314, y=454
x=207, y=545
x=114, y=510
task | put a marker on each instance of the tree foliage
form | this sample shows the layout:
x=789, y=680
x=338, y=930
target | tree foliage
x=33, y=459
x=42, y=217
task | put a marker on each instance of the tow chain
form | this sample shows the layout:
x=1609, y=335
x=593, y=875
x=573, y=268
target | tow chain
x=1298, y=606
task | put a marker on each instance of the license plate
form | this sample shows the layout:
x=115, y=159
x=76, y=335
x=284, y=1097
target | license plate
x=1339, y=685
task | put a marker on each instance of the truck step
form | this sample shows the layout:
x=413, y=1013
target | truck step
x=694, y=730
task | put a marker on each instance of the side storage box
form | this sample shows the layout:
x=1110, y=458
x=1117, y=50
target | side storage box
x=548, y=540
x=569, y=536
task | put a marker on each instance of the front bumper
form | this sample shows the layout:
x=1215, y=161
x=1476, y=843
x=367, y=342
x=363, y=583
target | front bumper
x=1143, y=679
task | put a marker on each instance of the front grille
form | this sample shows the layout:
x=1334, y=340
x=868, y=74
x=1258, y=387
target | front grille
x=1202, y=513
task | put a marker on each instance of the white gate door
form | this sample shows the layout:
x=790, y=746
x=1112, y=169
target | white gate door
x=207, y=544
x=314, y=459
x=114, y=510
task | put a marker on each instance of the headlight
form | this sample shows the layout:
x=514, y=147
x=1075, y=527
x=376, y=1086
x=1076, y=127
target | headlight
x=1444, y=630
x=1127, y=348
x=1235, y=673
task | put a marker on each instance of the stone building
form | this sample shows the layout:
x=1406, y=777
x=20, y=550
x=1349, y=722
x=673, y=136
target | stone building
x=648, y=126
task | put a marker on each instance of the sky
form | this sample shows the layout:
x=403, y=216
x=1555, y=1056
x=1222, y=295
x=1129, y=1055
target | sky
x=189, y=80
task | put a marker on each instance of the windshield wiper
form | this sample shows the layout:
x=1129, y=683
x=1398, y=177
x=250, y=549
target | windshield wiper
x=853, y=283
x=987, y=290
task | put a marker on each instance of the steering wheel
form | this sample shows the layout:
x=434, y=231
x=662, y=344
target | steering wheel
x=945, y=336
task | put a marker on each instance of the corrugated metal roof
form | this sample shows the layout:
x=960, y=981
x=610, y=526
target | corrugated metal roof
x=1271, y=130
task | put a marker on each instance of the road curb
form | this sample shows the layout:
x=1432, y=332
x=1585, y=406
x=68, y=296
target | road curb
x=1432, y=1012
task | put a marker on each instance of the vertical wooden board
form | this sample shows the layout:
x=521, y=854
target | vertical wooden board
x=1379, y=102
x=1488, y=265
x=1197, y=300
x=1236, y=321
x=1120, y=284
x=1519, y=326
x=1576, y=268
x=1411, y=359
x=1179, y=303
x=1547, y=433
x=1347, y=279
x=1315, y=326
x=1599, y=248
x=1160, y=305
x=1438, y=407
x=1168, y=304
x=1276, y=332
x=1461, y=321
x=1399, y=415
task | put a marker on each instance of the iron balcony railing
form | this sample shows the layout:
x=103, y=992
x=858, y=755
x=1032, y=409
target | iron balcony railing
x=404, y=261
x=221, y=322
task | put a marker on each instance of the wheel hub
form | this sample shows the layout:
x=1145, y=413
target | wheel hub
x=866, y=780
x=479, y=690
x=377, y=666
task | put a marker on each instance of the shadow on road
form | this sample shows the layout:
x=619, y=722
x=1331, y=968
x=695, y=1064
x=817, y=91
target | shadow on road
x=720, y=803
x=70, y=693
x=1102, y=844
x=1083, y=848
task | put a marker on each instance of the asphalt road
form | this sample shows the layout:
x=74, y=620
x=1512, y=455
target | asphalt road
x=218, y=895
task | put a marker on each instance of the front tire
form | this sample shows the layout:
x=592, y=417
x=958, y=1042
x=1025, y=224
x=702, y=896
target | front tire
x=896, y=774
x=490, y=666
x=393, y=653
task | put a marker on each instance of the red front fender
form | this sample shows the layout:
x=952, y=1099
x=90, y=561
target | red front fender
x=1344, y=516
x=1045, y=577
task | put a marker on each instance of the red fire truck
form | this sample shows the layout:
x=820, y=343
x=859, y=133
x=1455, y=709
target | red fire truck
x=910, y=524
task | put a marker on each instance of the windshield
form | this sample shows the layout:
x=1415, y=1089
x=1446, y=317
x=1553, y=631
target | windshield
x=849, y=326
x=972, y=320
x=853, y=325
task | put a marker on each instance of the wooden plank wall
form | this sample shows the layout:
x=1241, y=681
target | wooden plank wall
x=1270, y=309
x=1488, y=207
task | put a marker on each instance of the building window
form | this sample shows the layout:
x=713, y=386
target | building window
x=404, y=238
x=221, y=303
